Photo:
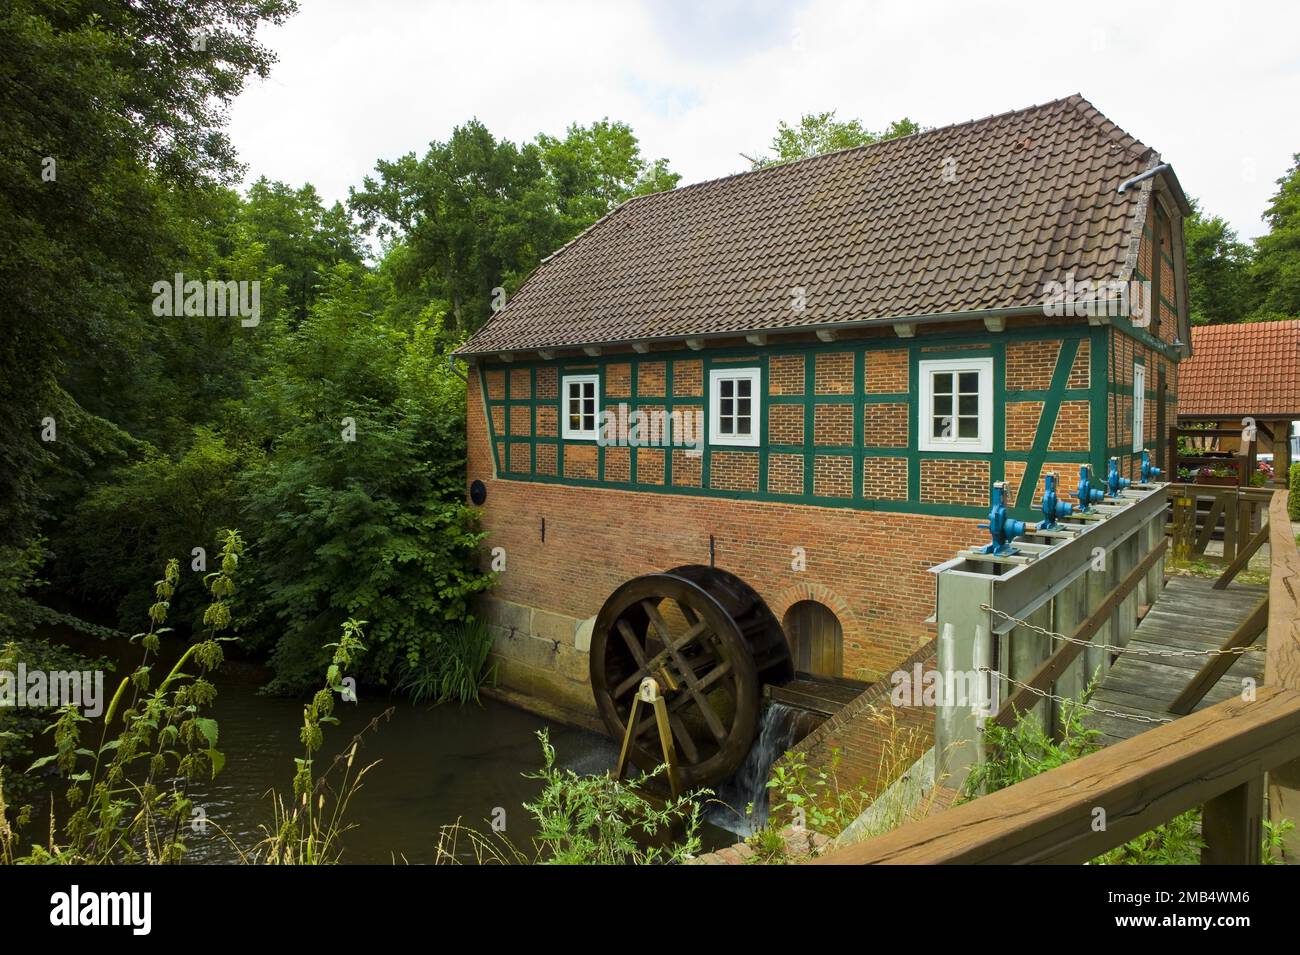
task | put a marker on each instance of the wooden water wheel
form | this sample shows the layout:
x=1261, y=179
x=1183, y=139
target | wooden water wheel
x=710, y=643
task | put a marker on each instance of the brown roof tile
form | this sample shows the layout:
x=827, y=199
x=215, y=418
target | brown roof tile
x=874, y=232
x=1251, y=369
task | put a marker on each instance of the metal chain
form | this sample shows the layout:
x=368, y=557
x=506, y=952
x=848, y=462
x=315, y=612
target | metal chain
x=1141, y=651
x=1087, y=706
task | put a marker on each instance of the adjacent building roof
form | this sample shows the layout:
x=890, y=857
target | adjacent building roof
x=976, y=216
x=1251, y=369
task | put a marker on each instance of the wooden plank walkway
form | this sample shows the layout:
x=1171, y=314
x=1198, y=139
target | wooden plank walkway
x=1188, y=614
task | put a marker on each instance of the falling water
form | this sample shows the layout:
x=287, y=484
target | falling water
x=780, y=728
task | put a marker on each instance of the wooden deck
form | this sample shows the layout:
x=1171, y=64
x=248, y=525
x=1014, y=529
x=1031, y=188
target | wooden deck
x=1188, y=614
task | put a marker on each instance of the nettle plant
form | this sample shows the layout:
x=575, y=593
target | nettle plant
x=129, y=796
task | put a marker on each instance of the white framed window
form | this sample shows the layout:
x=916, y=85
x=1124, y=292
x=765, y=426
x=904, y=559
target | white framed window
x=956, y=412
x=580, y=397
x=735, y=415
x=1139, y=406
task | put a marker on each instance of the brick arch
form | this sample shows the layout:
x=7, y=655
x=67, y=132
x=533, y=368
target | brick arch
x=822, y=595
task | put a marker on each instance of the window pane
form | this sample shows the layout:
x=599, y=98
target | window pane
x=575, y=422
x=742, y=406
x=942, y=405
x=727, y=407
x=728, y=388
x=942, y=427
x=970, y=382
x=589, y=406
x=743, y=386
x=589, y=422
x=725, y=426
x=742, y=426
x=943, y=383
x=968, y=428
x=589, y=389
x=968, y=405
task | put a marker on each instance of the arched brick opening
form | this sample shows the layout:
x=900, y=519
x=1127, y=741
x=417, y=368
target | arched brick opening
x=816, y=638
x=850, y=628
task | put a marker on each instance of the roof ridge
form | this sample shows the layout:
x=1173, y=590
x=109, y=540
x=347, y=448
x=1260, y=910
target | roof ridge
x=866, y=146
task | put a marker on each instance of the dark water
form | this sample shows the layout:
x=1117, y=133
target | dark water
x=434, y=765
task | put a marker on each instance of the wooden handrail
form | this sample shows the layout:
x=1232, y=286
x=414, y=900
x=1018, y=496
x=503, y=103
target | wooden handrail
x=1206, y=758
x=1050, y=669
x=1242, y=559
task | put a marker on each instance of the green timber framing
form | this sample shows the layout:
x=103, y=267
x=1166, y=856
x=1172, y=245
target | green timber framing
x=975, y=344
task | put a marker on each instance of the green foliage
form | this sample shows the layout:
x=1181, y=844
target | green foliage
x=599, y=820
x=1218, y=269
x=812, y=798
x=128, y=796
x=106, y=109
x=476, y=213
x=358, y=504
x=1274, y=845
x=308, y=827
x=1276, y=269
x=1293, y=493
x=818, y=133
x=1024, y=750
x=451, y=667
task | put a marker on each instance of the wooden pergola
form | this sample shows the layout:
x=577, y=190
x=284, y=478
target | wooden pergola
x=1242, y=381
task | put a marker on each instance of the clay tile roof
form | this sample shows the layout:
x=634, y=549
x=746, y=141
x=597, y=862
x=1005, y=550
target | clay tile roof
x=1251, y=369
x=873, y=232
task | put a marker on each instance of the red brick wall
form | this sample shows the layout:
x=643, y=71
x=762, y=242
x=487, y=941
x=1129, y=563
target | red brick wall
x=869, y=567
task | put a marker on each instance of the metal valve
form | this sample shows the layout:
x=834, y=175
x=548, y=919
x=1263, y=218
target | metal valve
x=1053, y=507
x=1001, y=528
x=1115, y=483
x=1149, y=471
x=1087, y=494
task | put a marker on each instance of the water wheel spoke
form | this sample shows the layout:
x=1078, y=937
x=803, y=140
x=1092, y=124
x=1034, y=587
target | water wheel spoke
x=633, y=645
x=684, y=668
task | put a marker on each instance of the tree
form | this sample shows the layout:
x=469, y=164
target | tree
x=1276, y=269
x=104, y=107
x=819, y=133
x=474, y=213
x=597, y=167
x=1218, y=269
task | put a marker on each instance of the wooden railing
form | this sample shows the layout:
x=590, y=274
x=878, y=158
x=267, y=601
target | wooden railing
x=1216, y=758
x=1201, y=513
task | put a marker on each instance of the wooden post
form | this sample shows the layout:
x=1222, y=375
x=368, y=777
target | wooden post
x=1282, y=664
x=1232, y=825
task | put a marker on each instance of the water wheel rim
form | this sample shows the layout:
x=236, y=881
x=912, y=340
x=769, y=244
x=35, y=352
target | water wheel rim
x=692, y=669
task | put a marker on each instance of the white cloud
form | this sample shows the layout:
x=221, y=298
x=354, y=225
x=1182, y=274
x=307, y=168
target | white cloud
x=1212, y=86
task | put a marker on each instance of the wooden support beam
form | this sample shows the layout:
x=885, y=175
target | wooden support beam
x=1243, y=558
x=1216, y=666
x=1140, y=783
x=1022, y=700
x=1232, y=825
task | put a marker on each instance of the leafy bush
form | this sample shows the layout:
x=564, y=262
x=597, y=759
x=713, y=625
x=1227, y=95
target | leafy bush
x=1293, y=496
x=588, y=820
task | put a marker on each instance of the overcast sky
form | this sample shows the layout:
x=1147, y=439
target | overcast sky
x=1214, y=86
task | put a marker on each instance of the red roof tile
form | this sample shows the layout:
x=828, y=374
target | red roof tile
x=1251, y=369
x=874, y=232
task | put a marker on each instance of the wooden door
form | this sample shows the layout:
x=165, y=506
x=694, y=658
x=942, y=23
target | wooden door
x=816, y=639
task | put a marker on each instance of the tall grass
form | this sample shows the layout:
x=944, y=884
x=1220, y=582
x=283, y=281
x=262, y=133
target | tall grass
x=453, y=666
